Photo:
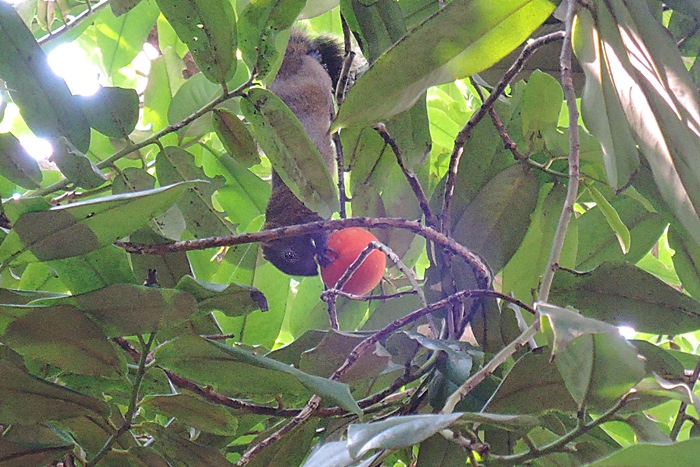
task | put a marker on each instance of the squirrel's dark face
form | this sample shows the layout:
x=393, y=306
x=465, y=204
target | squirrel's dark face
x=293, y=255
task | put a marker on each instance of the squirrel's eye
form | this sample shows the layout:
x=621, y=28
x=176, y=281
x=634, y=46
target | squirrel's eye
x=290, y=255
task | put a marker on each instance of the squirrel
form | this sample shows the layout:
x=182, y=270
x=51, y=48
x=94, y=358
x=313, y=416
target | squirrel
x=305, y=82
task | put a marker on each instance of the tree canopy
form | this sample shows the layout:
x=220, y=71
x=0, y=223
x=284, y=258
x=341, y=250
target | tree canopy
x=530, y=168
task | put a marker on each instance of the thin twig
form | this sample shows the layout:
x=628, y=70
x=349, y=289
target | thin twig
x=430, y=218
x=567, y=211
x=682, y=416
x=481, y=270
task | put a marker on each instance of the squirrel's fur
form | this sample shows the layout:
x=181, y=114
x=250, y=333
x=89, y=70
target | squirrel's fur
x=305, y=85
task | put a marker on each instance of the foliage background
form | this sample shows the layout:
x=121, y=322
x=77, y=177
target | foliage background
x=219, y=358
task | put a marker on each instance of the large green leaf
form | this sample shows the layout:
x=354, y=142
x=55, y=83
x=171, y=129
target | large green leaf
x=598, y=365
x=127, y=309
x=243, y=371
x=65, y=337
x=75, y=165
x=112, y=111
x=636, y=75
x=44, y=100
x=208, y=27
x=292, y=154
x=28, y=399
x=622, y=294
x=195, y=412
x=653, y=455
x=85, y=226
x=686, y=261
x=463, y=38
x=495, y=222
x=231, y=299
x=29, y=445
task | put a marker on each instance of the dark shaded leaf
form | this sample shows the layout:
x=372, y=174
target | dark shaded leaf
x=82, y=227
x=112, y=111
x=621, y=294
x=194, y=412
x=235, y=137
x=65, y=337
x=231, y=299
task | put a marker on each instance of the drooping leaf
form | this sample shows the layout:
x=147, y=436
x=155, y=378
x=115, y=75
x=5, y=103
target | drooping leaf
x=495, y=222
x=235, y=137
x=28, y=399
x=43, y=98
x=433, y=53
x=598, y=365
x=65, y=337
x=686, y=261
x=292, y=154
x=621, y=294
x=85, y=226
x=75, y=165
x=396, y=432
x=635, y=72
x=179, y=449
x=241, y=370
x=208, y=27
x=231, y=299
x=195, y=412
x=112, y=111
x=16, y=164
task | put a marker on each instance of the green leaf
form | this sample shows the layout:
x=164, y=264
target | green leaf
x=598, y=365
x=65, y=337
x=433, y=54
x=17, y=165
x=292, y=154
x=231, y=299
x=76, y=167
x=613, y=218
x=112, y=111
x=29, y=445
x=82, y=227
x=597, y=243
x=180, y=450
x=686, y=260
x=127, y=310
x=260, y=25
x=376, y=25
x=542, y=100
x=121, y=39
x=94, y=270
x=195, y=412
x=624, y=295
x=654, y=102
x=174, y=165
x=495, y=222
x=46, y=104
x=235, y=137
x=28, y=400
x=437, y=451
x=533, y=385
x=396, y=432
x=653, y=455
x=243, y=371
x=208, y=27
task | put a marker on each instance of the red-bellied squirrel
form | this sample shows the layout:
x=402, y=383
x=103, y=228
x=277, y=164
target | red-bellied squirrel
x=305, y=82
